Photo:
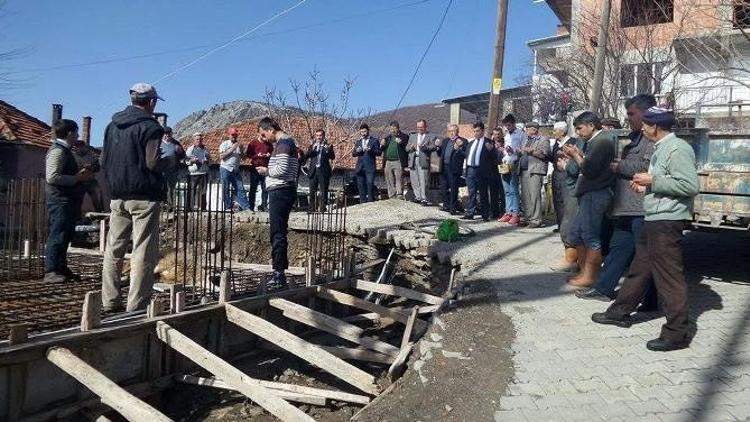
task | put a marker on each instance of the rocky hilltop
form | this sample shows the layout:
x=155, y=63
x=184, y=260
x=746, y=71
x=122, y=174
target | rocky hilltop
x=219, y=116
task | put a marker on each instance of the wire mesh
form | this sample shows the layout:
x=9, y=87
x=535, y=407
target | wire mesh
x=23, y=213
x=326, y=237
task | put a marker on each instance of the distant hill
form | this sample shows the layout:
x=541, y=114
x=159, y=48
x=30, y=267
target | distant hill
x=219, y=116
x=222, y=115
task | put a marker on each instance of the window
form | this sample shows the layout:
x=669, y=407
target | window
x=642, y=78
x=645, y=12
x=741, y=18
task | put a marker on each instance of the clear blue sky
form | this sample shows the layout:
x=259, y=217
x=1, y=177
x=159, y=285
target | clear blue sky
x=379, y=48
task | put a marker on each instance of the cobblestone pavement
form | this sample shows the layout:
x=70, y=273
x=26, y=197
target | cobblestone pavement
x=568, y=368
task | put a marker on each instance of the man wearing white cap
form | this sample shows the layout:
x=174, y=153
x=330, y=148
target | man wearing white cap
x=133, y=167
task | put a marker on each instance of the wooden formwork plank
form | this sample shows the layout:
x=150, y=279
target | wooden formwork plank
x=111, y=394
x=409, y=327
x=299, y=389
x=358, y=354
x=399, y=364
x=331, y=325
x=229, y=374
x=92, y=311
x=286, y=395
x=392, y=290
x=303, y=349
x=353, y=301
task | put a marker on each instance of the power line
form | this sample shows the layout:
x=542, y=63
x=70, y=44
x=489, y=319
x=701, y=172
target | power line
x=421, y=59
x=119, y=59
x=230, y=42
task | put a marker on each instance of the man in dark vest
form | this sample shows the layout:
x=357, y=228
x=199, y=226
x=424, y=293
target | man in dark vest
x=64, y=195
x=134, y=168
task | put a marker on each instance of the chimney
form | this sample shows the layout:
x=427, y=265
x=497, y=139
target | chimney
x=56, y=115
x=86, y=130
x=563, y=29
x=161, y=118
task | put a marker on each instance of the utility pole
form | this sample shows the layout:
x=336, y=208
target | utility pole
x=601, y=49
x=497, y=67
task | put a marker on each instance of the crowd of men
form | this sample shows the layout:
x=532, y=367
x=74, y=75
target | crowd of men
x=617, y=215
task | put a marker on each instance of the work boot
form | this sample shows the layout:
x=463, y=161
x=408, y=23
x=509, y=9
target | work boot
x=581, y=258
x=590, y=269
x=54, y=277
x=569, y=262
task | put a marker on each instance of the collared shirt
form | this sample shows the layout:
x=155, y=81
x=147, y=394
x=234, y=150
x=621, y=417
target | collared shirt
x=62, y=143
x=232, y=162
x=475, y=152
x=515, y=141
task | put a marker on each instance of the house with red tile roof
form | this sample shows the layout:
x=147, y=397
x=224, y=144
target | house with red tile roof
x=24, y=141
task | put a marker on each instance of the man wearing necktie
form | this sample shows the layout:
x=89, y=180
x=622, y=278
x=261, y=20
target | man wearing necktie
x=420, y=147
x=481, y=165
x=318, y=159
x=366, y=150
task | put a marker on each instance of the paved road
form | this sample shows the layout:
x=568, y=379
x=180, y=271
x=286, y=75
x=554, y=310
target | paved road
x=568, y=368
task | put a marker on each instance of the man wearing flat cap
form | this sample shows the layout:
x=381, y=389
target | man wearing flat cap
x=532, y=167
x=670, y=185
x=134, y=167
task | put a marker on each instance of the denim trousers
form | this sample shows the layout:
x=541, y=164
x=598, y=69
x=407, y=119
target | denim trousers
x=621, y=252
x=256, y=179
x=61, y=220
x=229, y=180
x=587, y=226
x=280, y=203
x=510, y=186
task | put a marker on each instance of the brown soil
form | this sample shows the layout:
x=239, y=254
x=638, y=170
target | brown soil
x=455, y=389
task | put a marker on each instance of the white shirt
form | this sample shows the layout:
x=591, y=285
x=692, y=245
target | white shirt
x=200, y=167
x=476, y=146
x=515, y=140
x=231, y=162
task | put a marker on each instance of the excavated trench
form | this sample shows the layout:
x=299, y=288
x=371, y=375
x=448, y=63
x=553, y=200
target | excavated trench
x=410, y=266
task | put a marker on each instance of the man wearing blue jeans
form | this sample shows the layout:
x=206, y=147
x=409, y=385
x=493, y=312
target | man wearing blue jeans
x=594, y=193
x=627, y=207
x=229, y=171
x=514, y=140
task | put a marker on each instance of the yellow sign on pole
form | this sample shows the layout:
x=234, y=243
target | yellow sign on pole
x=497, y=84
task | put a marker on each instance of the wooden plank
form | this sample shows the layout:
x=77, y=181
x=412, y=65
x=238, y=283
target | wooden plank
x=264, y=268
x=229, y=374
x=331, y=325
x=358, y=354
x=399, y=364
x=92, y=310
x=392, y=290
x=303, y=349
x=286, y=395
x=310, y=391
x=18, y=333
x=354, y=301
x=367, y=266
x=114, y=396
x=102, y=235
x=179, y=302
x=409, y=327
x=225, y=287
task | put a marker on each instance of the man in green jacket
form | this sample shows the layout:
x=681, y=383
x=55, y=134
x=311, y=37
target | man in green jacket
x=670, y=185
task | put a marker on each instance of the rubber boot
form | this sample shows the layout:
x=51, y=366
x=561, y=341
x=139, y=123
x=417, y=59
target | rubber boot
x=569, y=262
x=581, y=257
x=591, y=269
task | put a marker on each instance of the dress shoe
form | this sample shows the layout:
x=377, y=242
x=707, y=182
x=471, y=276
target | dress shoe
x=660, y=345
x=593, y=294
x=556, y=230
x=53, y=277
x=485, y=219
x=443, y=209
x=455, y=212
x=534, y=225
x=278, y=280
x=467, y=217
x=114, y=308
x=505, y=218
x=425, y=204
x=605, y=318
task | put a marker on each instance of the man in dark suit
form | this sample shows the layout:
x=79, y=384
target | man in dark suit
x=366, y=149
x=318, y=159
x=451, y=153
x=481, y=166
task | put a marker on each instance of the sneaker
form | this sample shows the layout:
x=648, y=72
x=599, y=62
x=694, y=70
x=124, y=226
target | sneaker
x=605, y=318
x=593, y=294
x=54, y=277
x=505, y=218
x=514, y=220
